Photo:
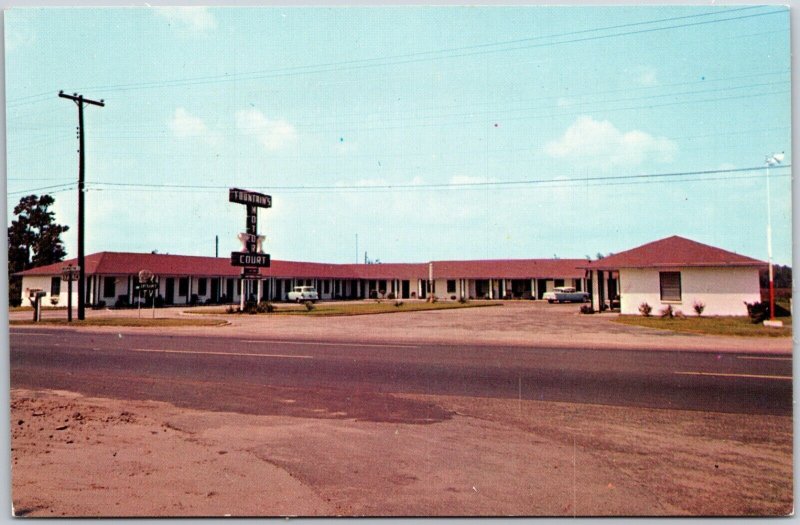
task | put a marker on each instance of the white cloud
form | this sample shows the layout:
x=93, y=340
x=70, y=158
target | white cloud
x=647, y=77
x=273, y=134
x=18, y=38
x=192, y=19
x=184, y=124
x=599, y=143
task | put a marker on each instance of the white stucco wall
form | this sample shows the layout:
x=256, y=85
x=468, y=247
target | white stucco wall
x=44, y=282
x=723, y=290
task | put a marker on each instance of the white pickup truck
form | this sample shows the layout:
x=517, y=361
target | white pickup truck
x=303, y=293
x=565, y=294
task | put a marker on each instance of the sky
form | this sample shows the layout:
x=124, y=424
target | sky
x=408, y=133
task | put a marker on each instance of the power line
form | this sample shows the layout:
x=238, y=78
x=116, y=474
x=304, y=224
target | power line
x=335, y=188
x=32, y=190
x=420, y=56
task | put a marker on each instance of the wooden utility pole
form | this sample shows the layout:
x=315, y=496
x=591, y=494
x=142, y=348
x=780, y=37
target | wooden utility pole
x=80, y=101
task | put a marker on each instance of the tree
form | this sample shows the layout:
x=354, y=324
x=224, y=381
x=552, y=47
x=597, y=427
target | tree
x=33, y=240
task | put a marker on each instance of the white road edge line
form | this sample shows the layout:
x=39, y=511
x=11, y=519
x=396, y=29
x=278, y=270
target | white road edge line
x=749, y=376
x=25, y=332
x=219, y=353
x=764, y=358
x=316, y=343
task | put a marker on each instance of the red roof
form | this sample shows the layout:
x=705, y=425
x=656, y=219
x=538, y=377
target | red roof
x=673, y=252
x=509, y=269
x=119, y=263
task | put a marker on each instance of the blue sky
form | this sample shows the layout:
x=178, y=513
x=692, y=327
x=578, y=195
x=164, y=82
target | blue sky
x=430, y=133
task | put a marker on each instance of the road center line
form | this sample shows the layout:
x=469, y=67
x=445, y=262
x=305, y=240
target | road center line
x=764, y=358
x=219, y=353
x=748, y=376
x=317, y=343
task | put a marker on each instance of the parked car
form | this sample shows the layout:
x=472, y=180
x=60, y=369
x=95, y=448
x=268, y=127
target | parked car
x=565, y=294
x=303, y=293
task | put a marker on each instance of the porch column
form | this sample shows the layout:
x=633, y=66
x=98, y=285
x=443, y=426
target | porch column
x=595, y=290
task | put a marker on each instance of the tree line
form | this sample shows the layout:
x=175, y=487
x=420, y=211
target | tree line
x=34, y=239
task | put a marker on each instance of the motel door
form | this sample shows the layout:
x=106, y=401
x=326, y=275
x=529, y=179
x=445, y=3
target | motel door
x=406, y=291
x=215, y=289
x=169, y=291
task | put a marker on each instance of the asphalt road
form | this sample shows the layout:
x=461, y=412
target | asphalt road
x=355, y=380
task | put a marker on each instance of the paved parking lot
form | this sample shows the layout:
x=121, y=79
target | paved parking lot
x=516, y=323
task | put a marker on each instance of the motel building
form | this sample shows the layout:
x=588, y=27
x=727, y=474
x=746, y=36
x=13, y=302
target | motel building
x=674, y=271
x=111, y=279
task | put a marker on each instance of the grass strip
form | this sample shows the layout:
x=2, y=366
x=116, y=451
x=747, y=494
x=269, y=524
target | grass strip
x=125, y=321
x=733, y=326
x=333, y=310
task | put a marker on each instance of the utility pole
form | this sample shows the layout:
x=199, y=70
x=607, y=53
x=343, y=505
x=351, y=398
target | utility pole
x=80, y=101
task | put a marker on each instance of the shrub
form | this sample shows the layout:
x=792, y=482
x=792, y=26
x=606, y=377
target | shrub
x=679, y=314
x=645, y=309
x=413, y=295
x=230, y=309
x=194, y=299
x=309, y=305
x=122, y=302
x=223, y=299
x=758, y=312
x=699, y=307
x=398, y=304
x=391, y=296
x=100, y=304
x=463, y=300
x=265, y=307
x=452, y=297
x=668, y=312
x=587, y=309
x=373, y=294
x=54, y=300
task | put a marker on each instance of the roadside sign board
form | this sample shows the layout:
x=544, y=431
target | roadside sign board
x=251, y=198
x=70, y=273
x=146, y=286
x=259, y=260
x=250, y=271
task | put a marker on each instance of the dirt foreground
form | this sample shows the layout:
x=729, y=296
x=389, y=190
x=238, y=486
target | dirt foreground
x=79, y=456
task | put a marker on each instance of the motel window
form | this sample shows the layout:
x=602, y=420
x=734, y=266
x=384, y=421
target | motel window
x=670, y=286
x=202, y=286
x=109, y=287
x=183, y=286
x=55, y=286
x=325, y=286
x=451, y=286
x=558, y=282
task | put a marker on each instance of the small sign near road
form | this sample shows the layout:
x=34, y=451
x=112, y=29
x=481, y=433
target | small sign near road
x=70, y=273
x=248, y=271
x=145, y=287
x=259, y=260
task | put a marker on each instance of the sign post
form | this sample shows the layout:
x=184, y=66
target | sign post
x=148, y=285
x=70, y=273
x=252, y=257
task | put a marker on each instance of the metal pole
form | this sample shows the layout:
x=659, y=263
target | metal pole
x=69, y=298
x=769, y=251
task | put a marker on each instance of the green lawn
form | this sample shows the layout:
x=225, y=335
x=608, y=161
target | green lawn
x=737, y=326
x=124, y=321
x=337, y=309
